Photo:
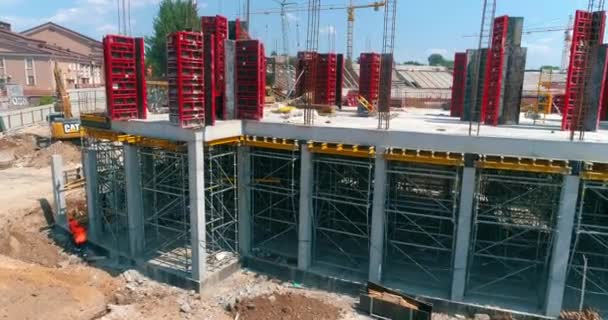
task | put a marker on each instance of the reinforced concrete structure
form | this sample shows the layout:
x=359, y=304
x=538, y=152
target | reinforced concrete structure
x=514, y=218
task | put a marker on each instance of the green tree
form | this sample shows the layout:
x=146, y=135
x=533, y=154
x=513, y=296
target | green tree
x=173, y=15
x=436, y=59
x=413, y=63
x=549, y=68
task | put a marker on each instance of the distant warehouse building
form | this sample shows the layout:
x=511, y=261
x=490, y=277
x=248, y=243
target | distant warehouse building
x=28, y=58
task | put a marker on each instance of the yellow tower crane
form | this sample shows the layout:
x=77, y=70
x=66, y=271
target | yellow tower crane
x=350, y=10
x=351, y=24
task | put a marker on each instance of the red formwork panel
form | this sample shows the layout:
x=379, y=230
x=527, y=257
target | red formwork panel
x=210, y=92
x=218, y=27
x=490, y=105
x=579, y=59
x=459, y=76
x=250, y=79
x=125, y=77
x=185, y=70
x=369, y=76
x=305, y=68
x=325, y=82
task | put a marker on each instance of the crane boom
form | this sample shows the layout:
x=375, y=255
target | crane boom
x=350, y=10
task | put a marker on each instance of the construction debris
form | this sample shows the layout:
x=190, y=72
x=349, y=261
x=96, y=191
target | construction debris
x=384, y=303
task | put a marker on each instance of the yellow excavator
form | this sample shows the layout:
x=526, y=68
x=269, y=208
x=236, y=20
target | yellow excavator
x=63, y=124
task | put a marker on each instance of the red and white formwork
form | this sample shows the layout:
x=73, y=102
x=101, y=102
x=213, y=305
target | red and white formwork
x=495, y=73
x=185, y=70
x=326, y=77
x=217, y=26
x=369, y=76
x=459, y=84
x=305, y=69
x=588, y=31
x=250, y=79
x=125, y=77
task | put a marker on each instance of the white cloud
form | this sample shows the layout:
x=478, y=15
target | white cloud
x=107, y=29
x=327, y=29
x=544, y=50
x=291, y=17
x=20, y=23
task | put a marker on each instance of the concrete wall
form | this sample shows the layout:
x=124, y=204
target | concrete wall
x=83, y=100
x=598, y=59
x=17, y=119
x=513, y=85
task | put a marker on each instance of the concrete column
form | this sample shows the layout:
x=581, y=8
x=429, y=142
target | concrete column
x=196, y=184
x=463, y=233
x=59, y=191
x=306, y=209
x=135, y=203
x=90, y=172
x=561, y=245
x=244, y=199
x=376, y=250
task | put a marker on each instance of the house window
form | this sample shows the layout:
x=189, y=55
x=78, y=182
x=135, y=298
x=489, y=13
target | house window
x=30, y=72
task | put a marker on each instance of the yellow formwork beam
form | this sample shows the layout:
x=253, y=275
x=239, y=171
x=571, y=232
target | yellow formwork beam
x=425, y=157
x=342, y=149
x=133, y=139
x=223, y=141
x=94, y=117
x=524, y=164
x=595, y=171
x=271, y=143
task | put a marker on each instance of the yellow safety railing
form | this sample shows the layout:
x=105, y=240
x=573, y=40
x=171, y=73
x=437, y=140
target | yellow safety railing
x=595, y=171
x=425, y=157
x=524, y=164
x=224, y=141
x=271, y=143
x=366, y=104
x=133, y=139
x=342, y=149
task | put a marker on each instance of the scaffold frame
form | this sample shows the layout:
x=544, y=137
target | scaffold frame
x=589, y=279
x=111, y=190
x=514, y=221
x=275, y=195
x=221, y=205
x=165, y=191
x=422, y=208
x=342, y=202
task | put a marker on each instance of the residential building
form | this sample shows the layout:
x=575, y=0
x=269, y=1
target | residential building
x=29, y=61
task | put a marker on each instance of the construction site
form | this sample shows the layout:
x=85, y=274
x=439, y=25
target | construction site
x=481, y=186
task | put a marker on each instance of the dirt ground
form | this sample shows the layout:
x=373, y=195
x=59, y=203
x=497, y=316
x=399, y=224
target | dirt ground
x=285, y=306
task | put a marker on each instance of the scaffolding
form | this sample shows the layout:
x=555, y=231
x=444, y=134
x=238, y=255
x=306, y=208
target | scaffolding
x=342, y=202
x=421, y=208
x=274, y=190
x=514, y=219
x=588, y=265
x=111, y=193
x=221, y=204
x=165, y=192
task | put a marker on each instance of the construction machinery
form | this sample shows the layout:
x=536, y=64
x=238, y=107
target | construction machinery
x=64, y=126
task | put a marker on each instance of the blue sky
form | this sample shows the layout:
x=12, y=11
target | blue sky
x=423, y=27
